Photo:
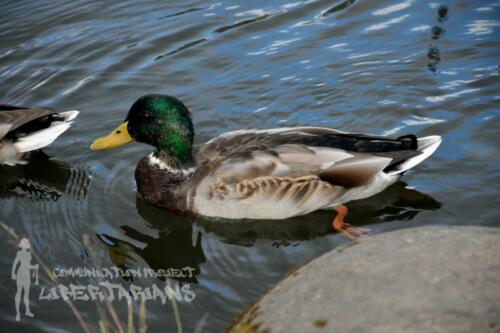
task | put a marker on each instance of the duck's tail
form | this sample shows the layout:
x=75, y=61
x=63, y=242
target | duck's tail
x=44, y=137
x=425, y=146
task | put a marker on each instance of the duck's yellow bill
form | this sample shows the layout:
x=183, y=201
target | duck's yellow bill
x=116, y=138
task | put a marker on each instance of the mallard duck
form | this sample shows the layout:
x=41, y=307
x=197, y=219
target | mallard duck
x=260, y=174
x=24, y=129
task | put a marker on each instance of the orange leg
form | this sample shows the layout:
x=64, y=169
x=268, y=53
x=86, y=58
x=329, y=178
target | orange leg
x=345, y=229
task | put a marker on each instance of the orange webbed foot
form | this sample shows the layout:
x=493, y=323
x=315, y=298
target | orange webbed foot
x=345, y=229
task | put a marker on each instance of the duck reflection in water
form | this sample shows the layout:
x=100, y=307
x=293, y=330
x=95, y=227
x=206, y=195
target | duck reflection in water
x=173, y=249
x=43, y=179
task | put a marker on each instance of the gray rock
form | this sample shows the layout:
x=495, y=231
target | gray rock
x=429, y=279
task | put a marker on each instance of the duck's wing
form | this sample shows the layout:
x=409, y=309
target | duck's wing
x=335, y=166
x=243, y=141
x=337, y=157
x=13, y=117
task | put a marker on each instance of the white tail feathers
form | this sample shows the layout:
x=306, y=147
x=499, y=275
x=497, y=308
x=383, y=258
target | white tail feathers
x=426, y=146
x=69, y=115
x=46, y=136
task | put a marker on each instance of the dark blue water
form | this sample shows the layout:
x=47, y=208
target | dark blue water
x=380, y=67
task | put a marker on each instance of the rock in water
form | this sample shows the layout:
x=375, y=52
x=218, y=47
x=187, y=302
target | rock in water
x=429, y=279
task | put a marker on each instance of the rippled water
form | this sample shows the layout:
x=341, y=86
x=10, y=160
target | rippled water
x=381, y=67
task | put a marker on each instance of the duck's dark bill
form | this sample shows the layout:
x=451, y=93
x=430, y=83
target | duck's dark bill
x=116, y=138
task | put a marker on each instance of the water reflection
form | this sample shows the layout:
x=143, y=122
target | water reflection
x=172, y=248
x=434, y=55
x=397, y=202
x=341, y=6
x=43, y=179
x=442, y=13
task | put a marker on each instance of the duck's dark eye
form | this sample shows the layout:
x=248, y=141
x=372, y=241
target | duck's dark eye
x=118, y=132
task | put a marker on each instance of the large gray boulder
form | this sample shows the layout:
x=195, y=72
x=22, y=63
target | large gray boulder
x=429, y=279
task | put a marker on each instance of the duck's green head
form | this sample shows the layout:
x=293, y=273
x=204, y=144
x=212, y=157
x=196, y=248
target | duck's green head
x=159, y=120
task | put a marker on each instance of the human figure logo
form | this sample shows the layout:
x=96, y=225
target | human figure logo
x=22, y=271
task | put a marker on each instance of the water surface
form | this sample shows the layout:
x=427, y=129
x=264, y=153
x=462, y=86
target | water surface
x=381, y=67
